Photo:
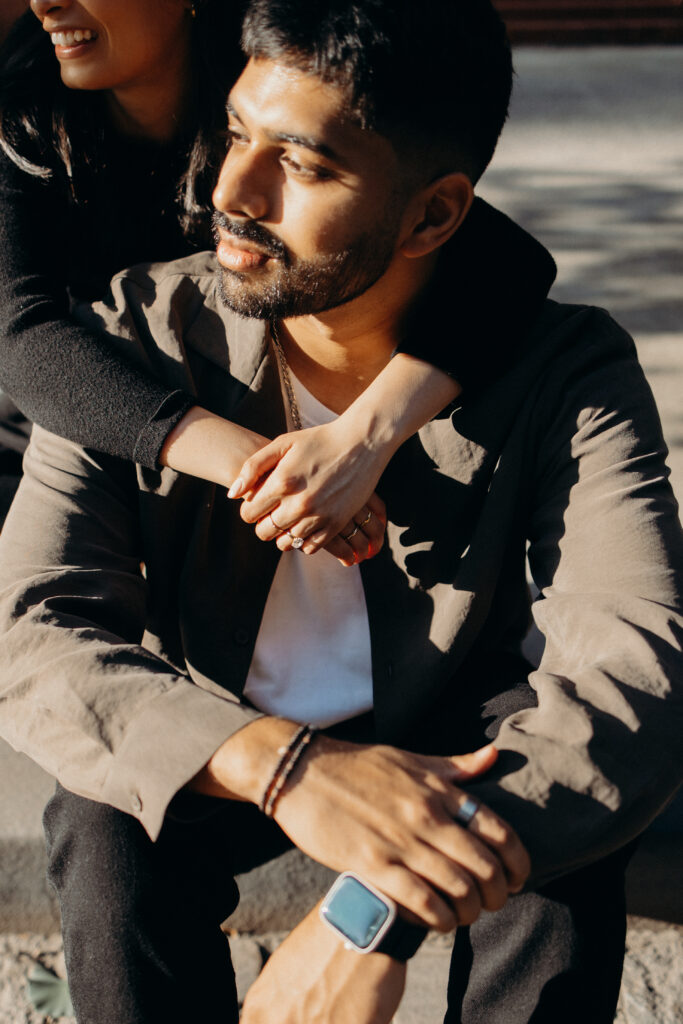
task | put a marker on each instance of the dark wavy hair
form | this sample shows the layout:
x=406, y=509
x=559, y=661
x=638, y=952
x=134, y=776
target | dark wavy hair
x=49, y=130
x=434, y=76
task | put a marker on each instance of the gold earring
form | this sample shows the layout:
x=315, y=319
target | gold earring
x=193, y=10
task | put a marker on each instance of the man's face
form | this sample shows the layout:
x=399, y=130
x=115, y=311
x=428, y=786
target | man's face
x=308, y=208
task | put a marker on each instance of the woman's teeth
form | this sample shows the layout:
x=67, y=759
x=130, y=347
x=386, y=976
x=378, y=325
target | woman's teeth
x=81, y=35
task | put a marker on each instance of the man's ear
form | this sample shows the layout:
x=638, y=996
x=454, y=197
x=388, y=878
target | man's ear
x=436, y=213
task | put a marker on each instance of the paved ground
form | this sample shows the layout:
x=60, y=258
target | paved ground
x=592, y=164
x=651, y=992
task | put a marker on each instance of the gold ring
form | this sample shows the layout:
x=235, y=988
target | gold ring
x=280, y=529
x=297, y=542
x=365, y=521
x=352, y=534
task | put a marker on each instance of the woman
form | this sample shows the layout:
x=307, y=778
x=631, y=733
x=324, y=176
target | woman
x=111, y=121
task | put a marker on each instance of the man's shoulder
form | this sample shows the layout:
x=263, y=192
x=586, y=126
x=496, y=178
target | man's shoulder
x=575, y=360
x=569, y=341
x=567, y=326
x=191, y=275
x=580, y=363
x=169, y=310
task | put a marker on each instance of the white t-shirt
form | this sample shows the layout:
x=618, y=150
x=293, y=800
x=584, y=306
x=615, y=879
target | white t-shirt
x=312, y=660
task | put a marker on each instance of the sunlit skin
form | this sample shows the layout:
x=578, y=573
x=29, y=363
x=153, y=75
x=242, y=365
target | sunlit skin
x=314, y=180
x=137, y=53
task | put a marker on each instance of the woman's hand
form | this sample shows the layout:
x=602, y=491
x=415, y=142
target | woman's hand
x=205, y=445
x=361, y=538
x=317, y=483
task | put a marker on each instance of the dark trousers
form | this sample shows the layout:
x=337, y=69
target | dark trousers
x=141, y=923
x=550, y=957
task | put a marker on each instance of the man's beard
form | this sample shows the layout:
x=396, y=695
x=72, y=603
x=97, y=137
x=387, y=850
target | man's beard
x=301, y=287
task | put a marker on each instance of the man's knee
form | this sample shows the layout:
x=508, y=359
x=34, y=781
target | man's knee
x=94, y=851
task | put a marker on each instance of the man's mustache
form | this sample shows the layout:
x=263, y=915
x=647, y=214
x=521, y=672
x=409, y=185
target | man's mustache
x=250, y=231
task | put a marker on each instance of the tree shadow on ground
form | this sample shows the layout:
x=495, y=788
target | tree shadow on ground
x=616, y=238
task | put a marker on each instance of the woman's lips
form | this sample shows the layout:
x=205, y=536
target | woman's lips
x=233, y=256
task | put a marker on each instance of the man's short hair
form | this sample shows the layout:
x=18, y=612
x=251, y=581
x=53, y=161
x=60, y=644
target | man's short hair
x=433, y=76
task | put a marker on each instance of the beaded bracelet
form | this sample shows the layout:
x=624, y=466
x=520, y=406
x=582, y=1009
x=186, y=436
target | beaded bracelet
x=291, y=754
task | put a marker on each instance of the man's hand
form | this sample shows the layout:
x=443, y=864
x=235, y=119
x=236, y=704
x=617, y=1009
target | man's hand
x=384, y=813
x=389, y=815
x=312, y=979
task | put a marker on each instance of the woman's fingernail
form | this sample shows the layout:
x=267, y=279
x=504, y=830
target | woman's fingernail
x=237, y=486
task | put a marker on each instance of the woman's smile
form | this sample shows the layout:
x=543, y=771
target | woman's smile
x=69, y=42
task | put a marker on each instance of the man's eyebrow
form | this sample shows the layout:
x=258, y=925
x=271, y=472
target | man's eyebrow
x=306, y=141
x=320, y=148
x=231, y=111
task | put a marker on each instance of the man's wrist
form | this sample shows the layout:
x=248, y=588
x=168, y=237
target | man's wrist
x=366, y=920
x=243, y=766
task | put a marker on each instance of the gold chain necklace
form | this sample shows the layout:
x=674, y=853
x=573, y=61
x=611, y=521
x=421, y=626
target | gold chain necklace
x=286, y=377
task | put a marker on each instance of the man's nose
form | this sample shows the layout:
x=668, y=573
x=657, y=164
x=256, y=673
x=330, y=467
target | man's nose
x=245, y=185
x=41, y=8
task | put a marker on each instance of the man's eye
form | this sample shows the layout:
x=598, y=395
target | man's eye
x=306, y=171
x=235, y=137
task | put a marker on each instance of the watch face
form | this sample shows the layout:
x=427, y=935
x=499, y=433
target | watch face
x=358, y=913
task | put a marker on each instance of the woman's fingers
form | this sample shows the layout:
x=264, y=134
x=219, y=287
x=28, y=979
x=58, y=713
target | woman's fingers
x=270, y=528
x=258, y=465
x=315, y=479
x=361, y=538
x=370, y=521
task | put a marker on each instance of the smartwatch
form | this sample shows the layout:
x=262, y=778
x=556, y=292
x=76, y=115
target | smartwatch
x=366, y=920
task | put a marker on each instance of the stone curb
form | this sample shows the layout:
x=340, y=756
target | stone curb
x=277, y=895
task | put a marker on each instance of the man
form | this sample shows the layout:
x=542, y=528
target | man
x=161, y=662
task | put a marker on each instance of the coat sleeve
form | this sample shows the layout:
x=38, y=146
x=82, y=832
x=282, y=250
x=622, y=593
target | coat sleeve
x=78, y=692
x=601, y=754
x=62, y=375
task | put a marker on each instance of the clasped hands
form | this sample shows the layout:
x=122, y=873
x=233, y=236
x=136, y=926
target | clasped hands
x=316, y=485
x=388, y=815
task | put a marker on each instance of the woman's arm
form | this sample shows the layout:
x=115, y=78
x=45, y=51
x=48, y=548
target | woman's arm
x=320, y=477
x=61, y=375
x=205, y=445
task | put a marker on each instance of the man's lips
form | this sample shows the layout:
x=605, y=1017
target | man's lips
x=238, y=254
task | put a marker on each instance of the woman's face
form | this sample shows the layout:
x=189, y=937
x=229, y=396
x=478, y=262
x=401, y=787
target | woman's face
x=115, y=44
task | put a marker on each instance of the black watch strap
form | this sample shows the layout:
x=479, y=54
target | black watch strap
x=402, y=940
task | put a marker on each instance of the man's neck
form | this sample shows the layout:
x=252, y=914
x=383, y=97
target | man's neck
x=337, y=354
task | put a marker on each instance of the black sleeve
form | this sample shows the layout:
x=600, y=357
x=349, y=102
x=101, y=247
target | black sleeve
x=490, y=284
x=62, y=376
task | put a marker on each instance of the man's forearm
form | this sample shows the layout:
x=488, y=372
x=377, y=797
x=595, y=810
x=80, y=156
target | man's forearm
x=385, y=813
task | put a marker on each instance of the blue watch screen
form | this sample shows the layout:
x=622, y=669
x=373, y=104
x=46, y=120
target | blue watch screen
x=356, y=912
